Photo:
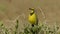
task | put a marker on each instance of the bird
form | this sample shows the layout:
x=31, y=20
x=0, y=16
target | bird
x=33, y=17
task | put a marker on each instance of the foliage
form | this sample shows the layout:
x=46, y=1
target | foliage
x=43, y=29
x=37, y=29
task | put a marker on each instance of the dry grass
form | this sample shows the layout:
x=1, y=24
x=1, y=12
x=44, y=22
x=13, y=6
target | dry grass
x=11, y=10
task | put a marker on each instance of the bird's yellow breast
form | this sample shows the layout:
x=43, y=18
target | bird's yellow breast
x=32, y=18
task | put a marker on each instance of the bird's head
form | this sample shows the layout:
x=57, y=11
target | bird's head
x=32, y=11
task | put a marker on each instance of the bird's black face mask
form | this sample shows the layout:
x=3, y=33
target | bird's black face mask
x=31, y=13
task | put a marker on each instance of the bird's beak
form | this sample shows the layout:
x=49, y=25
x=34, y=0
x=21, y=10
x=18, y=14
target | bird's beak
x=31, y=8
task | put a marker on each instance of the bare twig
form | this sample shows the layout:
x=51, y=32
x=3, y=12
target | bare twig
x=43, y=14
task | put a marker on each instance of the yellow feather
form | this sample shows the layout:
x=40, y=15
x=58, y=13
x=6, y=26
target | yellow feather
x=32, y=18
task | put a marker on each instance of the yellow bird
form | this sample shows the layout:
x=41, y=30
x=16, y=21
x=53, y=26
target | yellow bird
x=32, y=17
